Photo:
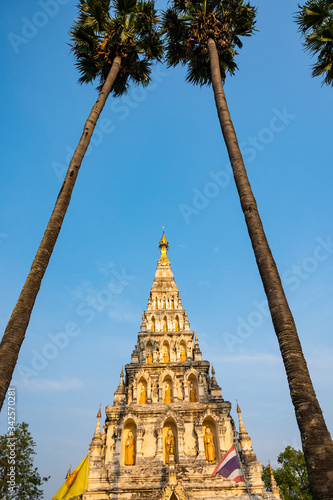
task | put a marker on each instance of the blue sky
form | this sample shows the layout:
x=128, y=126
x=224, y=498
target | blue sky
x=158, y=158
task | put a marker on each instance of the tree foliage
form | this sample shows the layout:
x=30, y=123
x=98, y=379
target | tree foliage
x=19, y=479
x=125, y=28
x=291, y=477
x=315, y=22
x=187, y=26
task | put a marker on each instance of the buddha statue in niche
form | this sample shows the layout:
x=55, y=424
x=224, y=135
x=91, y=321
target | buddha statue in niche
x=167, y=398
x=193, y=394
x=166, y=357
x=143, y=395
x=169, y=445
x=209, y=446
x=129, y=449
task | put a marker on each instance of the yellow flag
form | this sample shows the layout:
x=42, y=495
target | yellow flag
x=76, y=483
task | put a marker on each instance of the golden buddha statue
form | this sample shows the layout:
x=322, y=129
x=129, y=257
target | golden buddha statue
x=182, y=354
x=167, y=398
x=166, y=357
x=129, y=449
x=150, y=357
x=193, y=394
x=209, y=446
x=169, y=445
x=143, y=395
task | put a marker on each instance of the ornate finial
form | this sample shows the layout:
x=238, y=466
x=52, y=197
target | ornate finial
x=122, y=372
x=143, y=316
x=196, y=338
x=69, y=472
x=213, y=371
x=238, y=408
x=164, y=245
x=99, y=414
x=274, y=487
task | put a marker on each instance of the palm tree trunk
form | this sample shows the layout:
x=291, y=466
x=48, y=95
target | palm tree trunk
x=19, y=320
x=316, y=439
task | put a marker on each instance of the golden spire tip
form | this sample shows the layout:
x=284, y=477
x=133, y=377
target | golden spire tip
x=163, y=245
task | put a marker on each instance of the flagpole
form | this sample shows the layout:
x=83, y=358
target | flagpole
x=241, y=466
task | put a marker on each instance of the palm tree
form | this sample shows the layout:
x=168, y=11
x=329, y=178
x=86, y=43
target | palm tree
x=315, y=22
x=114, y=43
x=204, y=36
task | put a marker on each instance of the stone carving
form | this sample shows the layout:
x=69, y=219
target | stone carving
x=155, y=391
x=180, y=394
x=178, y=490
x=169, y=445
x=129, y=449
x=182, y=353
x=209, y=446
x=130, y=394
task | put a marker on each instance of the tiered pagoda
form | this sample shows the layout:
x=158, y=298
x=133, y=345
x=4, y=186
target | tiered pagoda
x=169, y=425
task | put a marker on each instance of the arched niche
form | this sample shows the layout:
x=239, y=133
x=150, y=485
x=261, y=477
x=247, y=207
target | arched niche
x=210, y=424
x=170, y=424
x=167, y=390
x=128, y=445
x=172, y=303
x=193, y=388
x=149, y=351
x=155, y=303
x=166, y=351
x=177, y=327
x=142, y=391
x=183, y=352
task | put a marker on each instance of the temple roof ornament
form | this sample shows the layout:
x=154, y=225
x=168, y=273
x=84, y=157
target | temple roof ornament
x=244, y=438
x=163, y=245
x=274, y=487
x=97, y=433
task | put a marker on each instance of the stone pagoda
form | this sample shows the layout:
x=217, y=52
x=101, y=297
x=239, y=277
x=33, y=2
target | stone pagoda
x=169, y=425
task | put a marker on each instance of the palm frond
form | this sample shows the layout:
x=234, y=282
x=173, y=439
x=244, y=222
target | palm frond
x=315, y=23
x=188, y=25
x=131, y=31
